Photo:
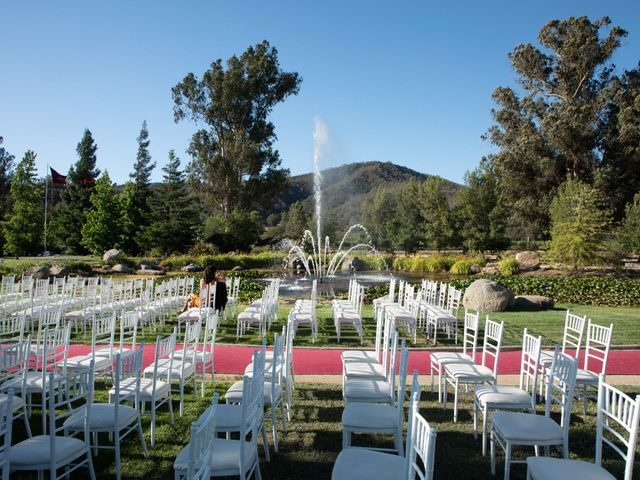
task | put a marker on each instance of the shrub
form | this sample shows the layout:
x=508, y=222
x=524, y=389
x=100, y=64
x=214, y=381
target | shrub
x=377, y=262
x=402, y=264
x=508, y=266
x=462, y=267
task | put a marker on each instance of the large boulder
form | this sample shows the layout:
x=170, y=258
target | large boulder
x=528, y=261
x=39, y=273
x=121, y=268
x=490, y=270
x=534, y=302
x=487, y=296
x=58, y=271
x=113, y=256
x=192, y=267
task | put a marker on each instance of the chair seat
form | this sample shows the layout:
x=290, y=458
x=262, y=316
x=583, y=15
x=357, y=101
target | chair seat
x=18, y=402
x=228, y=417
x=193, y=314
x=366, y=390
x=225, y=457
x=234, y=394
x=369, y=416
x=102, y=418
x=200, y=355
x=585, y=377
x=34, y=381
x=250, y=316
x=37, y=451
x=526, y=428
x=364, y=369
x=345, y=316
x=444, y=358
x=359, y=356
x=83, y=361
x=541, y=468
x=363, y=464
x=469, y=372
x=107, y=351
x=176, y=369
x=128, y=385
x=502, y=396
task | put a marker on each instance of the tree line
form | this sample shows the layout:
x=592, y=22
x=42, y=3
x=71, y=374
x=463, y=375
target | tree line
x=566, y=167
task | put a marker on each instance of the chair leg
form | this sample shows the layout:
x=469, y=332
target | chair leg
x=283, y=415
x=485, y=414
x=153, y=424
x=399, y=445
x=265, y=442
x=92, y=472
x=455, y=403
x=27, y=427
x=274, y=427
x=507, y=460
x=584, y=395
x=141, y=437
x=493, y=452
x=116, y=446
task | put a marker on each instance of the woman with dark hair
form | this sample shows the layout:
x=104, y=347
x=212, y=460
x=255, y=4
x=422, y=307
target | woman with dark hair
x=210, y=280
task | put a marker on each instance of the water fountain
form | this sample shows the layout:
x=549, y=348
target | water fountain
x=315, y=256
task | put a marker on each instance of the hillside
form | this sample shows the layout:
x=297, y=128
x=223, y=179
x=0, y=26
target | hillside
x=345, y=189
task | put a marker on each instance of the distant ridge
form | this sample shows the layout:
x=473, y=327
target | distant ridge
x=345, y=189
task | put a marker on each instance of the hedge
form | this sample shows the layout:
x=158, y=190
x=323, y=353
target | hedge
x=227, y=262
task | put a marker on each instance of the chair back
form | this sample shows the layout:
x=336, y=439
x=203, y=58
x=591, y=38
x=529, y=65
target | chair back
x=530, y=364
x=442, y=295
x=6, y=426
x=421, y=439
x=389, y=330
x=573, y=332
x=393, y=362
x=67, y=394
x=492, y=343
x=402, y=381
x=252, y=406
x=14, y=362
x=203, y=432
x=128, y=329
x=392, y=289
x=615, y=407
x=560, y=385
x=12, y=327
x=103, y=332
x=470, y=333
x=165, y=347
x=597, y=348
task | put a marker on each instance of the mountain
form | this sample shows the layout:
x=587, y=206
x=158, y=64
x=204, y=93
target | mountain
x=345, y=189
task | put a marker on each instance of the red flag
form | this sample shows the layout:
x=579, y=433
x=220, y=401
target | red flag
x=57, y=178
x=88, y=180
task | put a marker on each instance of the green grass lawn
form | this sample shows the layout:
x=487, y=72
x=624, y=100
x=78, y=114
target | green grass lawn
x=313, y=441
x=549, y=323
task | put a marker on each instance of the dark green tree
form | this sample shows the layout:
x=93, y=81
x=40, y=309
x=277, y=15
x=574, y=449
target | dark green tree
x=297, y=221
x=629, y=231
x=233, y=157
x=379, y=217
x=142, y=193
x=7, y=166
x=75, y=200
x=437, y=219
x=24, y=225
x=562, y=125
x=579, y=224
x=174, y=216
x=130, y=233
x=480, y=215
x=408, y=236
x=102, y=229
x=240, y=232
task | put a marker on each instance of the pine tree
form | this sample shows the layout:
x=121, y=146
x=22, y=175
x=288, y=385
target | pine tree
x=629, y=231
x=174, y=217
x=75, y=198
x=142, y=193
x=437, y=220
x=129, y=226
x=6, y=172
x=24, y=225
x=101, y=231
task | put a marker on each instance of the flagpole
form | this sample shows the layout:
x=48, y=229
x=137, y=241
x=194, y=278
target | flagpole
x=46, y=202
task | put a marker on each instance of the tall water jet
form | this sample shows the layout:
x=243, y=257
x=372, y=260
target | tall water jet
x=320, y=143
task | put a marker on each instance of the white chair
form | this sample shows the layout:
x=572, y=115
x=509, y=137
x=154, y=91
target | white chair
x=350, y=316
x=380, y=302
x=509, y=429
x=473, y=374
x=156, y=389
x=373, y=370
x=364, y=464
x=195, y=462
x=14, y=362
x=6, y=425
x=240, y=457
x=304, y=313
x=596, y=350
x=255, y=316
x=54, y=451
x=102, y=333
x=127, y=340
x=406, y=315
x=115, y=418
x=615, y=409
x=373, y=390
x=438, y=360
x=506, y=397
x=368, y=355
x=571, y=341
x=202, y=354
x=379, y=418
x=445, y=318
x=233, y=298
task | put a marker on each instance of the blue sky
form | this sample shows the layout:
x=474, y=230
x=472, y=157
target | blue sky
x=405, y=82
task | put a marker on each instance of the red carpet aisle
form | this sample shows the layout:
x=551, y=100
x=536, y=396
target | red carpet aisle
x=316, y=361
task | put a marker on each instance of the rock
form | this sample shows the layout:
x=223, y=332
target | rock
x=487, y=296
x=113, y=256
x=490, y=270
x=192, y=267
x=121, y=268
x=534, y=302
x=39, y=273
x=237, y=268
x=353, y=265
x=149, y=265
x=149, y=272
x=475, y=269
x=528, y=261
x=58, y=271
